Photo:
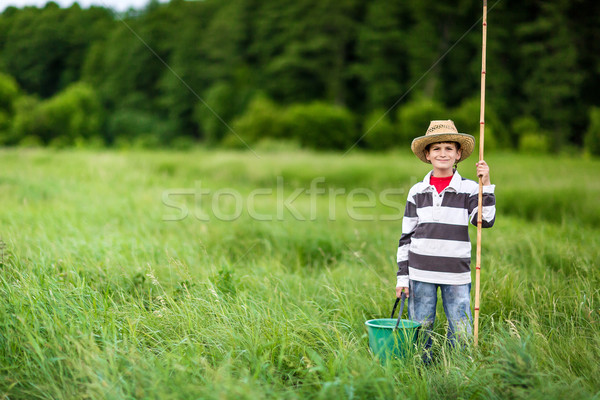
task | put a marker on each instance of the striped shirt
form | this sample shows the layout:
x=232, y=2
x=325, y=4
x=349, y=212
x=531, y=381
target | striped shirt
x=435, y=245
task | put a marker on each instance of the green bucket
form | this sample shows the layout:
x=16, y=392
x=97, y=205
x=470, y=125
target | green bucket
x=391, y=337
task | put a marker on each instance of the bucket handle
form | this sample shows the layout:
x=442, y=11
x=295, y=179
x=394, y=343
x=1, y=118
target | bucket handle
x=403, y=297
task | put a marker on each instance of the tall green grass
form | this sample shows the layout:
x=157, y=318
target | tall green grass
x=103, y=298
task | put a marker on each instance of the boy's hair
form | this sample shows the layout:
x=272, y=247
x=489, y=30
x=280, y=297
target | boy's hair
x=430, y=144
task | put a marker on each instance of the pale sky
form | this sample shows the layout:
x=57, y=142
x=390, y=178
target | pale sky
x=116, y=5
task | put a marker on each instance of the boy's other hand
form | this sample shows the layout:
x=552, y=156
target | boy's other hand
x=483, y=172
x=399, y=291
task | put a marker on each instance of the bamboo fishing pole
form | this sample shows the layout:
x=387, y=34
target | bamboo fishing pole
x=480, y=197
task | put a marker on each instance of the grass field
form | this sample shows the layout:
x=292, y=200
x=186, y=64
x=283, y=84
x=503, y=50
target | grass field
x=220, y=275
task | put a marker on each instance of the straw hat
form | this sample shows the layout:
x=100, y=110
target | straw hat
x=443, y=131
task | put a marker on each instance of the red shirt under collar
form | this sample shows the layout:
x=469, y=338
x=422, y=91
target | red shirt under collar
x=440, y=183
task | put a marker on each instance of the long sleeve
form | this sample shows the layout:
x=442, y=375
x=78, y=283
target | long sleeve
x=489, y=206
x=409, y=223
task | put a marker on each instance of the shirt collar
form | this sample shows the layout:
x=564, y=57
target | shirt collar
x=454, y=183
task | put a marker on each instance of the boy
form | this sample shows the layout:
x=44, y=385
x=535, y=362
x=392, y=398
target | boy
x=435, y=249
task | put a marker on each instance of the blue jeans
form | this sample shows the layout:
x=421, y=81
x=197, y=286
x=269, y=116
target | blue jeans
x=457, y=306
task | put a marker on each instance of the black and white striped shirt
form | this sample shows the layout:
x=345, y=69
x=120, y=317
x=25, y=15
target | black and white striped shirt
x=435, y=245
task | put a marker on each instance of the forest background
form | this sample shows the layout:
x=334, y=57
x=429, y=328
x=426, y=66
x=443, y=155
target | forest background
x=318, y=74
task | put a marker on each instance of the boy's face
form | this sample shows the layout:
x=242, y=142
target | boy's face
x=443, y=155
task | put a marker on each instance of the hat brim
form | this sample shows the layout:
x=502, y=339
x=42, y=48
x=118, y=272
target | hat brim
x=467, y=144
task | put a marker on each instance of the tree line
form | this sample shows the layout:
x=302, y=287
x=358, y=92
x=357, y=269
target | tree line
x=324, y=74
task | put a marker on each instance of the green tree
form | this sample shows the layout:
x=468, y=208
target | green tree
x=9, y=92
x=320, y=125
x=531, y=137
x=381, y=49
x=28, y=124
x=127, y=67
x=414, y=117
x=582, y=20
x=435, y=28
x=592, y=136
x=44, y=48
x=304, y=48
x=504, y=84
x=35, y=49
x=189, y=79
x=466, y=118
x=379, y=132
x=226, y=101
x=72, y=117
x=262, y=119
x=552, y=80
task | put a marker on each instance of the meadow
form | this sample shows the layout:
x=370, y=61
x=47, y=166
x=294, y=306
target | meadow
x=222, y=275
